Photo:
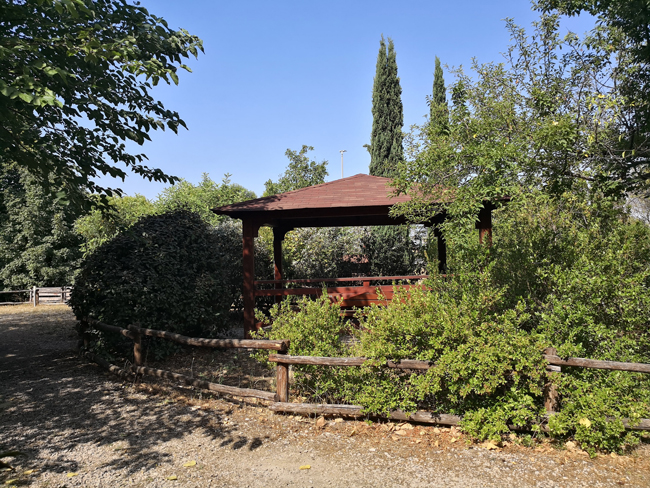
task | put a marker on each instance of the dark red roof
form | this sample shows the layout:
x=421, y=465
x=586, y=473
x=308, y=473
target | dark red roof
x=353, y=191
x=356, y=200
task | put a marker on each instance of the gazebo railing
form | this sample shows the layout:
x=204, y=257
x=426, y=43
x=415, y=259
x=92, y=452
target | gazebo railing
x=361, y=295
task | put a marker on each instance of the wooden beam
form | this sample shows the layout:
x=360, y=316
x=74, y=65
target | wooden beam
x=597, y=364
x=250, y=229
x=328, y=361
x=278, y=237
x=484, y=224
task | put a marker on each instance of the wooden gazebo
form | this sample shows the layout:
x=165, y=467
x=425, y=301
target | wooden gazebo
x=359, y=200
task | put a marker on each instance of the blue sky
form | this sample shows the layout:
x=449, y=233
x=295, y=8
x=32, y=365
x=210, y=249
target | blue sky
x=277, y=75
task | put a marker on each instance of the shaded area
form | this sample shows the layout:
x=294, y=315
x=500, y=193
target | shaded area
x=53, y=401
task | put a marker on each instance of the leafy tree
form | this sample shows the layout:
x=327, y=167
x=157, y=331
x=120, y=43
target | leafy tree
x=38, y=244
x=548, y=118
x=300, y=173
x=98, y=226
x=202, y=198
x=438, y=110
x=73, y=89
x=623, y=27
x=387, y=114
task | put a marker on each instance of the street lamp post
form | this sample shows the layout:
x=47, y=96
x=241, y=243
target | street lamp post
x=342, y=151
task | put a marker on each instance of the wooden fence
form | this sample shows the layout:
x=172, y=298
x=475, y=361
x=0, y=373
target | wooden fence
x=13, y=293
x=49, y=295
x=280, y=399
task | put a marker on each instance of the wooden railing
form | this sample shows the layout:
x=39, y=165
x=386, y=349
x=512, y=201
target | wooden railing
x=360, y=295
x=550, y=394
x=136, y=333
x=14, y=292
x=280, y=399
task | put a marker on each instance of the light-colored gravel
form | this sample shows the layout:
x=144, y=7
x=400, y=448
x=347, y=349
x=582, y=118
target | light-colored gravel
x=80, y=426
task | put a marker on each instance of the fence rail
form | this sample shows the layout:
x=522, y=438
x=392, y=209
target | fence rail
x=280, y=399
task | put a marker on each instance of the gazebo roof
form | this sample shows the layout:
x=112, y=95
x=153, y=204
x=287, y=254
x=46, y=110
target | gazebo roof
x=357, y=200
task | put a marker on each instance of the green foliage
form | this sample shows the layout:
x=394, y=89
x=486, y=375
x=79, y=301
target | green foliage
x=438, y=110
x=386, y=149
x=168, y=272
x=564, y=272
x=300, y=173
x=73, y=89
x=38, y=245
x=120, y=213
x=202, y=198
x=390, y=251
x=544, y=119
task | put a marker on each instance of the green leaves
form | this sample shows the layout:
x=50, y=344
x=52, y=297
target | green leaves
x=63, y=61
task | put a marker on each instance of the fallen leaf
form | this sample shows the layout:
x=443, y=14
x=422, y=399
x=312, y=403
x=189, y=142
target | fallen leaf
x=436, y=430
x=423, y=432
x=306, y=466
x=172, y=477
x=614, y=455
x=72, y=475
x=437, y=443
x=570, y=445
x=395, y=437
x=189, y=464
x=11, y=482
x=320, y=422
x=400, y=432
x=29, y=471
x=453, y=439
x=489, y=446
x=408, y=427
x=585, y=422
x=417, y=441
x=338, y=420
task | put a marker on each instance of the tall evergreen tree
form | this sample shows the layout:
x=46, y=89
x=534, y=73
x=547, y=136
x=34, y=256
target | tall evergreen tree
x=388, y=115
x=438, y=111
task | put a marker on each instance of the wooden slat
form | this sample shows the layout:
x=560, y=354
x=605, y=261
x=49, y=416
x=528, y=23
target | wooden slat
x=111, y=328
x=326, y=361
x=16, y=291
x=598, y=364
x=205, y=385
x=332, y=291
x=343, y=280
x=217, y=343
x=357, y=411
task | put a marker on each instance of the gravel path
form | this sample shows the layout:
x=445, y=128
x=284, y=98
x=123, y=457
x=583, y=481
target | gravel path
x=78, y=426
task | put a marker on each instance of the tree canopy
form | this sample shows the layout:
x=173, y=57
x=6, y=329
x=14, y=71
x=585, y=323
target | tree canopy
x=75, y=88
x=300, y=173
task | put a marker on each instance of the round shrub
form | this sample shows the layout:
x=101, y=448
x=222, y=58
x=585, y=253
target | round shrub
x=169, y=272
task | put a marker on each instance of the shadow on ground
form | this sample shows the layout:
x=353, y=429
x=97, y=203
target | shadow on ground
x=51, y=401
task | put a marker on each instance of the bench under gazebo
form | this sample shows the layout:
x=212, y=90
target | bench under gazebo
x=360, y=200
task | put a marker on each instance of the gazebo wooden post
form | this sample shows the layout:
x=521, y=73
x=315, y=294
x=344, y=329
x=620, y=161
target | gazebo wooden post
x=250, y=229
x=484, y=225
x=278, y=237
x=442, y=251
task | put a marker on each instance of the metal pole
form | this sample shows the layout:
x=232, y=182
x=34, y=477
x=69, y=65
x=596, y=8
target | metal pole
x=342, y=151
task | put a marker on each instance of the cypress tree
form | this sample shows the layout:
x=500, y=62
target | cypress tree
x=387, y=114
x=438, y=112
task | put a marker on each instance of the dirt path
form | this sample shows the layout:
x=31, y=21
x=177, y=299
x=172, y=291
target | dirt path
x=78, y=426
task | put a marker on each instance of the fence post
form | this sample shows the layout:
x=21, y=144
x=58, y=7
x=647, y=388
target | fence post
x=36, y=296
x=550, y=390
x=282, y=381
x=83, y=338
x=137, y=348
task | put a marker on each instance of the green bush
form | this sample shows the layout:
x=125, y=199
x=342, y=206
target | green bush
x=170, y=272
x=565, y=272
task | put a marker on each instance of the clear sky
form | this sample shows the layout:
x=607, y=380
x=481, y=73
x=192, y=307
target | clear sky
x=277, y=75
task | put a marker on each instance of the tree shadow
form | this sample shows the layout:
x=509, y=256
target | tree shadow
x=51, y=401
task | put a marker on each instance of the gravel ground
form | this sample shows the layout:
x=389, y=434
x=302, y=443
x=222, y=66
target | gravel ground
x=80, y=426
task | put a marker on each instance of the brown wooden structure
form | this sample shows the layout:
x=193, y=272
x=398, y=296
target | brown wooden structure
x=359, y=200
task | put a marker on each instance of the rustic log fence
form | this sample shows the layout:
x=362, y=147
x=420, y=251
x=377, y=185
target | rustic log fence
x=280, y=399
